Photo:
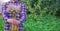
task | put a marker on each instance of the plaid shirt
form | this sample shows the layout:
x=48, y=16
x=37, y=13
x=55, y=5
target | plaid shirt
x=21, y=16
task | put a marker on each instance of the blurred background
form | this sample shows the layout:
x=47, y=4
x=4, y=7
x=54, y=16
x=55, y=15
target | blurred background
x=42, y=15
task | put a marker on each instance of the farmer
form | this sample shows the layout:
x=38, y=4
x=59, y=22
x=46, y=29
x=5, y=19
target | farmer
x=20, y=17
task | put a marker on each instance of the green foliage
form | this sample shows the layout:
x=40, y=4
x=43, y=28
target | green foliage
x=43, y=6
x=1, y=24
x=43, y=23
x=41, y=16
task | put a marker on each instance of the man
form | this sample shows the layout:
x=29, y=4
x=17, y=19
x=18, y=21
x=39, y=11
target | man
x=20, y=17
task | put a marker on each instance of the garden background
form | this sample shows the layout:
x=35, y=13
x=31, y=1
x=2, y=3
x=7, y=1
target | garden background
x=42, y=15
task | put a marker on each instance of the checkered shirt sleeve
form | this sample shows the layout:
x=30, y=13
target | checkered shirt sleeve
x=22, y=14
x=4, y=13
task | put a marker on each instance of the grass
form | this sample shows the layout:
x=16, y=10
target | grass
x=42, y=23
x=1, y=24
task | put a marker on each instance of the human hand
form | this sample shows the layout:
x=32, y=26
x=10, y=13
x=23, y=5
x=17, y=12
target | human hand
x=10, y=20
x=13, y=21
x=16, y=22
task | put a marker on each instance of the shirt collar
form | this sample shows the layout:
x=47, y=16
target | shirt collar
x=14, y=2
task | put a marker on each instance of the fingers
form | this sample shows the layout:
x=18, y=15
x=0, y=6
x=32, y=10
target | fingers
x=16, y=22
